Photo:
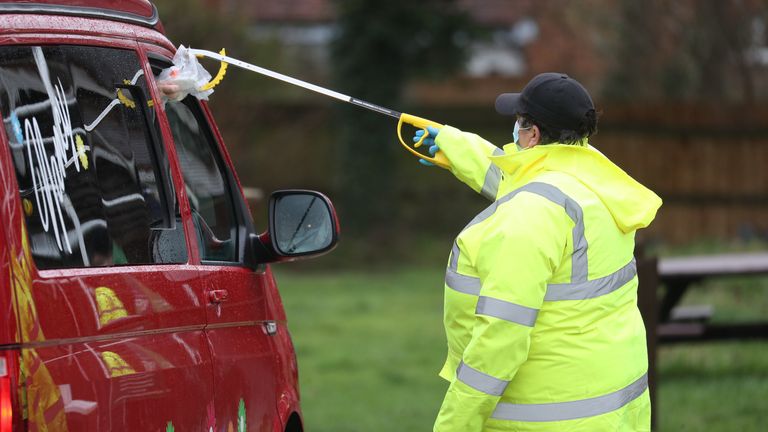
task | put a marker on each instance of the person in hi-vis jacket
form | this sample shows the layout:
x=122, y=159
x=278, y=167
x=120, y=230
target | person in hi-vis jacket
x=541, y=316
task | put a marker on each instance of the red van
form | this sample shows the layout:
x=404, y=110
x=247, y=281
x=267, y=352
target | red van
x=135, y=293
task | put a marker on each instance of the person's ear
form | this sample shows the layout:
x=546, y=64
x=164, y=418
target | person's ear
x=535, y=137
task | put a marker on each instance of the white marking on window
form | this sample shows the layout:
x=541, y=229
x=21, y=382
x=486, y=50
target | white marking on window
x=48, y=170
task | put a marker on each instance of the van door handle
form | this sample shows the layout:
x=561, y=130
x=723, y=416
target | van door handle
x=218, y=295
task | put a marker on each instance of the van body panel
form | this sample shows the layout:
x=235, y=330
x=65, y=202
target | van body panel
x=7, y=311
x=140, y=11
x=253, y=307
x=140, y=347
x=110, y=303
x=130, y=383
x=240, y=313
x=9, y=212
x=94, y=358
x=107, y=348
x=289, y=401
x=242, y=347
x=16, y=29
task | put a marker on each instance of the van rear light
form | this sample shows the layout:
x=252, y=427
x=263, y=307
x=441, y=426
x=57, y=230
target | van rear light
x=6, y=393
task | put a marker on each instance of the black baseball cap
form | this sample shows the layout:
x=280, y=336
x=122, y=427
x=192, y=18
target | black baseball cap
x=555, y=99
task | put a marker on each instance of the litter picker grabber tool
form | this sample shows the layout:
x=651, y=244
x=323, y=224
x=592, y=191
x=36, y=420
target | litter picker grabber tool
x=438, y=159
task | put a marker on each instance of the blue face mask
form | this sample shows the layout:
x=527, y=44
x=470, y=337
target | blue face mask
x=516, y=133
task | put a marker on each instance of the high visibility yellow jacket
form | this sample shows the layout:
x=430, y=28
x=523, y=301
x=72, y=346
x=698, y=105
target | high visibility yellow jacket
x=541, y=316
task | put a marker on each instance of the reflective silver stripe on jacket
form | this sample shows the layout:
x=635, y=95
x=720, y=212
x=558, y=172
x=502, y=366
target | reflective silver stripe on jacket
x=506, y=310
x=592, y=288
x=480, y=381
x=579, y=268
x=580, y=287
x=455, y=252
x=461, y=283
x=555, y=292
x=492, y=178
x=573, y=409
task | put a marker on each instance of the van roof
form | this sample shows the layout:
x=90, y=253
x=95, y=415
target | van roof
x=141, y=12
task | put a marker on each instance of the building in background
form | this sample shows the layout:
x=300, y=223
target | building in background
x=683, y=86
x=683, y=47
x=513, y=43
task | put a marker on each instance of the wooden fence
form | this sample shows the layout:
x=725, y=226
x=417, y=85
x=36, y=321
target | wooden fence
x=708, y=163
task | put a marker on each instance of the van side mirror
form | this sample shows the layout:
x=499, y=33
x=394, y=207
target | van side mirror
x=302, y=224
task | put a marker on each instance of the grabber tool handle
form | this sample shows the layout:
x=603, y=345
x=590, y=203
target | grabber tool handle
x=438, y=159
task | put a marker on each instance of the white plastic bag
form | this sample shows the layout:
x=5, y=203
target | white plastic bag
x=185, y=77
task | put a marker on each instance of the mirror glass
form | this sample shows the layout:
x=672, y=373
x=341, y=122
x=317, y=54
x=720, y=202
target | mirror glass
x=302, y=224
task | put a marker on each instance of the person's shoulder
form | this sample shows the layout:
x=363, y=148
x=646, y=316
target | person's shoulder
x=533, y=201
x=527, y=217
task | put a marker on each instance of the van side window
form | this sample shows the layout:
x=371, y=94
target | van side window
x=207, y=185
x=92, y=174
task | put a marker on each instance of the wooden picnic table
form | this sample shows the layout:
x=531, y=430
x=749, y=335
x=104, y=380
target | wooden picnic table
x=666, y=322
x=688, y=324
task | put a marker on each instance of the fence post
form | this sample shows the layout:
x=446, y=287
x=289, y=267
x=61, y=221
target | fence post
x=647, y=301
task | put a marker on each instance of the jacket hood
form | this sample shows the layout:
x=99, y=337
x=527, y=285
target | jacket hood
x=632, y=205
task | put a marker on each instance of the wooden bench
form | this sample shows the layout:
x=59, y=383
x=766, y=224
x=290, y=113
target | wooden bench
x=666, y=322
x=690, y=324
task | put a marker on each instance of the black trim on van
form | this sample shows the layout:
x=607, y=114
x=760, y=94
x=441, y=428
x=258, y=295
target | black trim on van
x=82, y=11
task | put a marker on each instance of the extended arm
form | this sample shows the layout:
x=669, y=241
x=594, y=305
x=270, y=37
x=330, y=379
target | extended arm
x=470, y=163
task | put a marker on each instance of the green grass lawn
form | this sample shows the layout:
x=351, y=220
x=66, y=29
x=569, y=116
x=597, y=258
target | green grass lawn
x=369, y=347
x=370, y=344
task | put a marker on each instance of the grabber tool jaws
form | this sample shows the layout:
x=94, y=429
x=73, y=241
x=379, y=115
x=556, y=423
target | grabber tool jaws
x=438, y=159
x=219, y=76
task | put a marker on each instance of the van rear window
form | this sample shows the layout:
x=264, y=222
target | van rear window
x=92, y=176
